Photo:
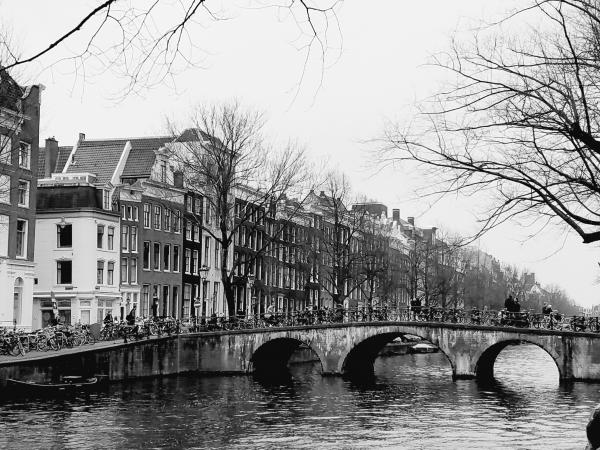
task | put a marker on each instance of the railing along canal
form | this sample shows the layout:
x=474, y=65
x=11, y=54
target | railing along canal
x=13, y=342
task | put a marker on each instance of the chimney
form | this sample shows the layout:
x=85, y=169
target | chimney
x=51, y=155
x=178, y=179
x=411, y=220
x=81, y=137
x=322, y=194
x=396, y=215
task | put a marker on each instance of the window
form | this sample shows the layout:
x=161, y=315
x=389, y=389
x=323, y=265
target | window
x=216, y=287
x=4, y=219
x=167, y=220
x=64, y=236
x=106, y=199
x=194, y=268
x=167, y=257
x=206, y=211
x=157, y=216
x=99, y=235
x=188, y=230
x=145, y=300
x=188, y=258
x=156, y=256
x=196, y=231
x=207, y=251
x=135, y=214
x=110, y=238
x=129, y=212
x=177, y=222
x=217, y=254
x=23, y=193
x=133, y=238
x=64, y=272
x=5, y=189
x=110, y=273
x=124, y=237
x=198, y=205
x=24, y=152
x=124, y=270
x=5, y=148
x=146, y=215
x=189, y=204
x=123, y=212
x=100, y=273
x=163, y=171
x=133, y=270
x=187, y=296
x=176, y=258
x=146, y=256
x=21, y=238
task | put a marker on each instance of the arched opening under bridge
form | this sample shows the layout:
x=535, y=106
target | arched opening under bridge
x=517, y=361
x=274, y=356
x=362, y=359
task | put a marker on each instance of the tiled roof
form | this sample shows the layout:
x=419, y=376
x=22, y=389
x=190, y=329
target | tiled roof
x=97, y=157
x=141, y=157
x=63, y=155
x=102, y=156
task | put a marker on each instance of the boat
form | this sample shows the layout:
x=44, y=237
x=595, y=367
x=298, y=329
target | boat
x=423, y=347
x=65, y=383
x=396, y=347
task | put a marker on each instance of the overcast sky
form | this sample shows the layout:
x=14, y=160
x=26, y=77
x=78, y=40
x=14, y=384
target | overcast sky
x=375, y=71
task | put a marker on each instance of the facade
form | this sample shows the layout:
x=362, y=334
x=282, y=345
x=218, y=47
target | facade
x=19, y=141
x=78, y=256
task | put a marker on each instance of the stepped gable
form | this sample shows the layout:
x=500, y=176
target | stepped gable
x=141, y=156
x=63, y=155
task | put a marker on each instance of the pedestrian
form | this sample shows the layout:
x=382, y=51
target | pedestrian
x=509, y=303
x=517, y=305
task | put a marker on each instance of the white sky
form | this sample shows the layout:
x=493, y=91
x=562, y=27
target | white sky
x=378, y=74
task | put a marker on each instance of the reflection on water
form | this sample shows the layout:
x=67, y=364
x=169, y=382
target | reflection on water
x=411, y=403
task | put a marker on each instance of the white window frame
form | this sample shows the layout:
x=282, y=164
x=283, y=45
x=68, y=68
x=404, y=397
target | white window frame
x=27, y=184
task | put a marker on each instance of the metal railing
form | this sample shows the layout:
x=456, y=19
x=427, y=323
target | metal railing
x=55, y=338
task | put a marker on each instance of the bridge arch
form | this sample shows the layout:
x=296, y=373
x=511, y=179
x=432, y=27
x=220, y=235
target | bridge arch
x=484, y=367
x=274, y=354
x=358, y=358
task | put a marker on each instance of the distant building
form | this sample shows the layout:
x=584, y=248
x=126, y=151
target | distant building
x=19, y=136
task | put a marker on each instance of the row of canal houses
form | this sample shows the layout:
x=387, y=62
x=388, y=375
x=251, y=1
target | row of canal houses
x=109, y=224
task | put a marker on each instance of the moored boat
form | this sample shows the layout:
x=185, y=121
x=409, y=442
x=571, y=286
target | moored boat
x=65, y=383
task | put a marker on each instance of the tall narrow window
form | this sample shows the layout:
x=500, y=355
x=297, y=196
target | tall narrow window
x=106, y=199
x=100, y=273
x=217, y=255
x=135, y=213
x=188, y=260
x=168, y=220
x=24, y=193
x=110, y=273
x=176, y=258
x=124, y=270
x=163, y=171
x=146, y=215
x=146, y=256
x=24, y=153
x=157, y=216
x=188, y=230
x=133, y=238
x=156, y=256
x=64, y=235
x=177, y=222
x=133, y=270
x=110, y=238
x=21, y=238
x=206, y=256
x=5, y=149
x=167, y=257
x=99, y=236
x=194, y=268
x=124, y=237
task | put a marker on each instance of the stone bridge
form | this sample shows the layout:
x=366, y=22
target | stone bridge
x=342, y=349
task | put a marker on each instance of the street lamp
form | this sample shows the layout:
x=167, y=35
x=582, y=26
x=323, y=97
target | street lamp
x=250, y=306
x=203, y=271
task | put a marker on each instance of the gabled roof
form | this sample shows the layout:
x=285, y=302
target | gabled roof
x=141, y=156
x=102, y=156
x=63, y=155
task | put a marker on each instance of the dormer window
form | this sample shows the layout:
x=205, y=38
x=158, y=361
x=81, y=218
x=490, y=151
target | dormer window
x=163, y=171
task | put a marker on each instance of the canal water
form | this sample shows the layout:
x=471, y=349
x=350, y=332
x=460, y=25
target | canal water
x=411, y=403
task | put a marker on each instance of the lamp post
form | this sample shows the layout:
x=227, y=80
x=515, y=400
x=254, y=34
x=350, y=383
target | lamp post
x=203, y=271
x=250, y=307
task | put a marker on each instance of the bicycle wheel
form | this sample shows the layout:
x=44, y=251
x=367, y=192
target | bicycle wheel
x=42, y=343
x=16, y=348
x=89, y=338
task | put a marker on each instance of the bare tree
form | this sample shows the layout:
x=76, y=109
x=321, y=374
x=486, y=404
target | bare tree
x=151, y=42
x=245, y=182
x=522, y=122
